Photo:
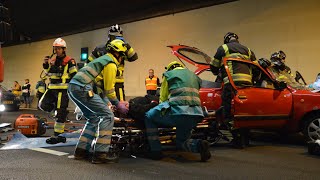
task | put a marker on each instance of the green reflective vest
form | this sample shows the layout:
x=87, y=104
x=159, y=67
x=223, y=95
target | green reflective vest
x=184, y=87
x=88, y=73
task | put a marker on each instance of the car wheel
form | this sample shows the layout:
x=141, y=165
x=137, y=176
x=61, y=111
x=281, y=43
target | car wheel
x=312, y=127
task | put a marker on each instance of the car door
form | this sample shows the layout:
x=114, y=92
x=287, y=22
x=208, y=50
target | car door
x=263, y=105
x=196, y=61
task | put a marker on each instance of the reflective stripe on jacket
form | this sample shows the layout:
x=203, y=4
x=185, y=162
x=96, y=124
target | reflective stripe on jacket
x=184, y=87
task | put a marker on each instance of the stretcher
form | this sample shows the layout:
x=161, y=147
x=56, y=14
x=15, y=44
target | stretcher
x=127, y=137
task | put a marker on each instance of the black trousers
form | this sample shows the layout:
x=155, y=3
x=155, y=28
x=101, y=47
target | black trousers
x=55, y=99
x=227, y=96
x=119, y=88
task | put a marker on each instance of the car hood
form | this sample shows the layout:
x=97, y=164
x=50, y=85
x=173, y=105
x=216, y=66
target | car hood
x=193, y=58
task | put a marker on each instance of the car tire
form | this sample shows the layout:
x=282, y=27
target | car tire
x=311, y=128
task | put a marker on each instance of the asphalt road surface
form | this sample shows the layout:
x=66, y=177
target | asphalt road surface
x=269, y=157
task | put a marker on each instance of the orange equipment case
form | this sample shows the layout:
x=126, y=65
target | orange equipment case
x=30, y=125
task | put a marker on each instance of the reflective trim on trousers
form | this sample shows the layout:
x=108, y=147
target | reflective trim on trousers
x=104, y=141
x=89, y=132
x=105, y=133
x=59, y=127
x=59, y=100
x=85, y=139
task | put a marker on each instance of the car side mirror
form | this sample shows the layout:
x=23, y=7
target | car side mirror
x=282, y=85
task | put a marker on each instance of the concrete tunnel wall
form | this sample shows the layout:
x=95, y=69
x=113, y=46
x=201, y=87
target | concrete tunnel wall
x=264, y=26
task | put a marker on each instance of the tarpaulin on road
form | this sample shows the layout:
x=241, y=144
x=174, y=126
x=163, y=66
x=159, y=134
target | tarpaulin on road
x=19, y=141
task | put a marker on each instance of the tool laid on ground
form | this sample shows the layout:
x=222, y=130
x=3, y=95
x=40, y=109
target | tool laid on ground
x=30, y=125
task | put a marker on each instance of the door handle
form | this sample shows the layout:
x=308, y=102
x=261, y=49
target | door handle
x=242, y=97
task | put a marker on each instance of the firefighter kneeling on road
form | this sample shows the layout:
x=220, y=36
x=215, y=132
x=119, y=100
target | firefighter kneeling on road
x=241, y=75
x=100, y=118
x=60, y=70
x=181, y=108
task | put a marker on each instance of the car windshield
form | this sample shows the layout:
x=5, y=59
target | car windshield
x=286, y=77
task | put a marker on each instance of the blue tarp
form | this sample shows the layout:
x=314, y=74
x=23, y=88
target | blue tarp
x=19, y=141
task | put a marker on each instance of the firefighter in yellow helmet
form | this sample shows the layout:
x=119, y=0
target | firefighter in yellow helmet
x=115, y=32
x=60, y=69
x=100, y=118
x=179, y=107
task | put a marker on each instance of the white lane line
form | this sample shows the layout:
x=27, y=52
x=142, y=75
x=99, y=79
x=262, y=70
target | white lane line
x=49, y=151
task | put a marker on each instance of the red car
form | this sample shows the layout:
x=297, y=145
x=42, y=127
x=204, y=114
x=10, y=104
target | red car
x=269, y=104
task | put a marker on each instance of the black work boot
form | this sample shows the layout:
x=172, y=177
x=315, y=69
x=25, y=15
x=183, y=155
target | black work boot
x=104, y=158
x=80, y=154
x=204, y=150
x=240, y=138
x=56, y=140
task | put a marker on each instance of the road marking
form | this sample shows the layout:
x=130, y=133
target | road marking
x=49, y=151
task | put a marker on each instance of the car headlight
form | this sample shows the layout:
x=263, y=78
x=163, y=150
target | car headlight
x=2, y=108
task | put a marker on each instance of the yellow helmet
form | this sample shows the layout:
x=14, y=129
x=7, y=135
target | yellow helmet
x=173, y=65
x=117, y=45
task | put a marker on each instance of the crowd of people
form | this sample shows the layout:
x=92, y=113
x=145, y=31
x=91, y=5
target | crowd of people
x=24, y=91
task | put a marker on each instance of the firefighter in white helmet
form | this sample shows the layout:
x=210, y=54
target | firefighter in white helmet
x=60, y=69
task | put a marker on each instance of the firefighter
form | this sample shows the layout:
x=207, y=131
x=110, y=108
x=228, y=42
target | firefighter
x=60, y=69
x=152, y=82
x=241, y=75
x=282, y=56
x=115, y=32
x=283, y=72
x=41, y=89
x=180, y=108
x=99, y=117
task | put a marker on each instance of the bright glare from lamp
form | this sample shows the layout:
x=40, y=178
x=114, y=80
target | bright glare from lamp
x=2, y=108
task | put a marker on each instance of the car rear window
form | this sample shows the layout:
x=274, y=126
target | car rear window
x=194, y=55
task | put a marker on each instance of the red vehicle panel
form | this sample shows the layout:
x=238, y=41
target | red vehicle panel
x=281, y=106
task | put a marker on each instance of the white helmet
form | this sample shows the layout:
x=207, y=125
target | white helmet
x=115, y=30
x=59, y=43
